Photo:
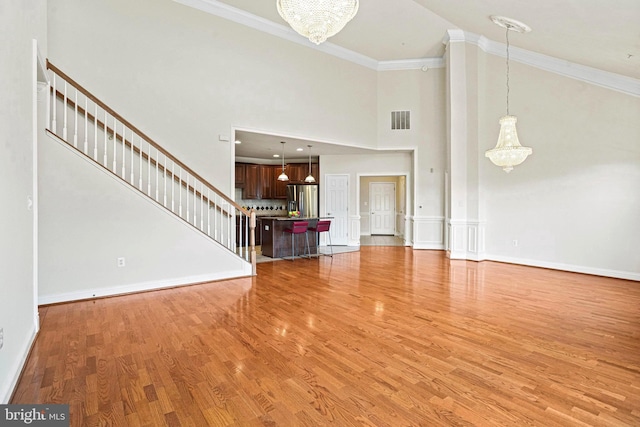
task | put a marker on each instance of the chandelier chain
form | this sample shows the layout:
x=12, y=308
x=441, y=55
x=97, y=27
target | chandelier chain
x=507, y=70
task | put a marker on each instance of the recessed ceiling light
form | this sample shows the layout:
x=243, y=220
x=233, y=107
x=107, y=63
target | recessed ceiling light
x=299, y=149
x=238, y=141
x=276, y=155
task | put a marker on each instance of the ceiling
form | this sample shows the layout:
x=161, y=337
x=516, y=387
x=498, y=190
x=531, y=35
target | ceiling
x=602, y=34
x=260, y=148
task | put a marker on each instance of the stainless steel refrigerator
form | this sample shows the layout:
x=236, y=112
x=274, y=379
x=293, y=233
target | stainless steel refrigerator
x=304, y=198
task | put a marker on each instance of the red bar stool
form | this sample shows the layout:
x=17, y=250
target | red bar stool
x=322, y=226
x=298, y=227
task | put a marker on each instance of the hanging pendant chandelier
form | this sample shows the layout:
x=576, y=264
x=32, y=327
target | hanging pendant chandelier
x=317, y=19
x=283, y=176
x=508, y=152
x=309, y=177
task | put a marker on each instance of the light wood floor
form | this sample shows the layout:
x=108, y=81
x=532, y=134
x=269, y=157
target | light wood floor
x=385, y=336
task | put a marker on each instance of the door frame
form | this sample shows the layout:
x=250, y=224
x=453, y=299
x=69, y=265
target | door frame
x=406, y=198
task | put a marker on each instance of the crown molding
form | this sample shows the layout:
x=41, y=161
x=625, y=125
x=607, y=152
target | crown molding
x=605, y=79
x=239, y=16
x=423, y=64
x=594, y=76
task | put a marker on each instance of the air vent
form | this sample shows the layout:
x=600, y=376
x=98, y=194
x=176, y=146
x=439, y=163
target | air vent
x=400, y=120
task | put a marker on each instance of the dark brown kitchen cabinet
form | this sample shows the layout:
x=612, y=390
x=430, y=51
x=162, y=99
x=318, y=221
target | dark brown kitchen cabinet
x=266, y=181
x=261, y=181
x=298, y=172
x=240, y=172
x=280, y=187
x=251, y=188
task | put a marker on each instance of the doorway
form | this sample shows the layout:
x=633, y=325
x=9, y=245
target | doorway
x=382, y=202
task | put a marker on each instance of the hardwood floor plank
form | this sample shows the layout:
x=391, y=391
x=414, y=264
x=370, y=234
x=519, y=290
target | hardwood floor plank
x=386, y=336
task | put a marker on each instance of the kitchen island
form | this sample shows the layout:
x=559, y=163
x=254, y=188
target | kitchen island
x=277, y=244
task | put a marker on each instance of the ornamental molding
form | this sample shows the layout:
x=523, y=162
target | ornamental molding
x=605, y=79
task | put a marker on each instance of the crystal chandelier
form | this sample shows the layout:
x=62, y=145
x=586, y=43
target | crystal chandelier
x=317, y=19
x=508, y=152
x=283, y=176
x=309, y=177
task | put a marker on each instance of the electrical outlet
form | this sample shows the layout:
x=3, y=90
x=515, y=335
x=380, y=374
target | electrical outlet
x=121, y=262
x=1, y=337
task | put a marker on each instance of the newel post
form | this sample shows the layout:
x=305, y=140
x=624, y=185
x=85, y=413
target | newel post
x=252, y=240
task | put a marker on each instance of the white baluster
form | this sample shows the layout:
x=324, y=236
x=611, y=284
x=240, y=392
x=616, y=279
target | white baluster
x=186, y=195
x=140, y=154
x=157, y=172
x=75, y=121
x=164, y=182
x=124, y=152
x=180, y=193
x=228, y=225
x=208, y=212
x=86, y=125
x=173, y=187
x=49, y=105
x=64, y=106
x=54, y=106
x=149, y=170
x=115, y=149
x=215, y=218
x=132, y=178
x=104, y=128
x=201, y=207
x=95, y=132
x=195, y=201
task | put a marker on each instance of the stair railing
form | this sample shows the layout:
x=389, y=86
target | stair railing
x=102, y=135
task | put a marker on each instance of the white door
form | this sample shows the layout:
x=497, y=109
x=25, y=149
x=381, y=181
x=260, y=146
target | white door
x=337, y=202
x=382, y=199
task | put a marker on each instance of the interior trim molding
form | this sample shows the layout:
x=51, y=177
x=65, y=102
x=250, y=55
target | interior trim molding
x=605, y=79
x=617, y=274
x=594, y=76
x=239, y=16
x=139, y=287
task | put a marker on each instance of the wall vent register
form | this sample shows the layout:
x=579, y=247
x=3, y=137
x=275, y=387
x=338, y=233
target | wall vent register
x=400, y=120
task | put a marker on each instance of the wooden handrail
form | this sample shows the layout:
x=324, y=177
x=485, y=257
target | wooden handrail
x=122, y=120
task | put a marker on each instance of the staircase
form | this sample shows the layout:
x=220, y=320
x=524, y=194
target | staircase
x=82, y=121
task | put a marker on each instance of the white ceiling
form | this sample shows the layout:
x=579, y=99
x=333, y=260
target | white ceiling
x=602, y=34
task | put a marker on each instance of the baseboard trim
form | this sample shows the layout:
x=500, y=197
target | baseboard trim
x=8, y=389
x=428, y=246
x=140, y=287
x=627, y=275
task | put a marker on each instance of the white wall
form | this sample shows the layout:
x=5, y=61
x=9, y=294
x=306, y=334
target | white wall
x=424, y=94
x=20, y=23
x=362, y=165
x=574, y=203
x=89, y=219
x=185, y=77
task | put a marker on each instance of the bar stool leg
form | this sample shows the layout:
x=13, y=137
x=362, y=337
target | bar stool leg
x=330, y=243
